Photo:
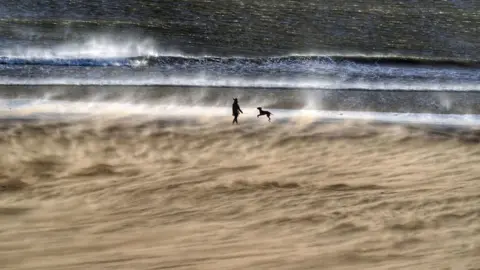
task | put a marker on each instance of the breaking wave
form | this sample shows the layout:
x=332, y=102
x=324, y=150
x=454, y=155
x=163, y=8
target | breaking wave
x=108, y=61
x=186, y=61
x=304, y=60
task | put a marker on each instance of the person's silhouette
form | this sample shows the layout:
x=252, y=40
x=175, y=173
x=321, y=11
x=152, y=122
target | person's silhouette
x=235, y=111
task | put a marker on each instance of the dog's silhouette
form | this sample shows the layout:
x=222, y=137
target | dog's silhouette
x=262, y=112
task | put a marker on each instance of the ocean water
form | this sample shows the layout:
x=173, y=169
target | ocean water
x=118, y=150
x=374, y=45
x=237, y=45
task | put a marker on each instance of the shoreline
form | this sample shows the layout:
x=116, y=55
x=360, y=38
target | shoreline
x=404, y=101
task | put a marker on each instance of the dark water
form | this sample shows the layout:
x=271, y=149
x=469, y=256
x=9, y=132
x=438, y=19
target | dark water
x=323, y=45
x=429, y=28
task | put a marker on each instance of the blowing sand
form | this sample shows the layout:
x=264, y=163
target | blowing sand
x=111, y=194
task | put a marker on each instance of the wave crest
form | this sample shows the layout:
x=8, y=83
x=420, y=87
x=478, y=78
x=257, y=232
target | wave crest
x=152, y=60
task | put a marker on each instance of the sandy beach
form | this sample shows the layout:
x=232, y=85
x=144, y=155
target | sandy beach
x=125, y=194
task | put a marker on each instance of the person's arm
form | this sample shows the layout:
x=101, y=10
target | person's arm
x=240, y=109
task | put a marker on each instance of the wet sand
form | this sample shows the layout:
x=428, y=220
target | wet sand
x=120, y=194
x=453, y=101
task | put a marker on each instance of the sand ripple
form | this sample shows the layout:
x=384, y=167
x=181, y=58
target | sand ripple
x=111, y=194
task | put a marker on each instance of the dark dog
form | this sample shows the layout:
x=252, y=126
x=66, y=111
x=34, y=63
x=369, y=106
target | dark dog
x=262, y=112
